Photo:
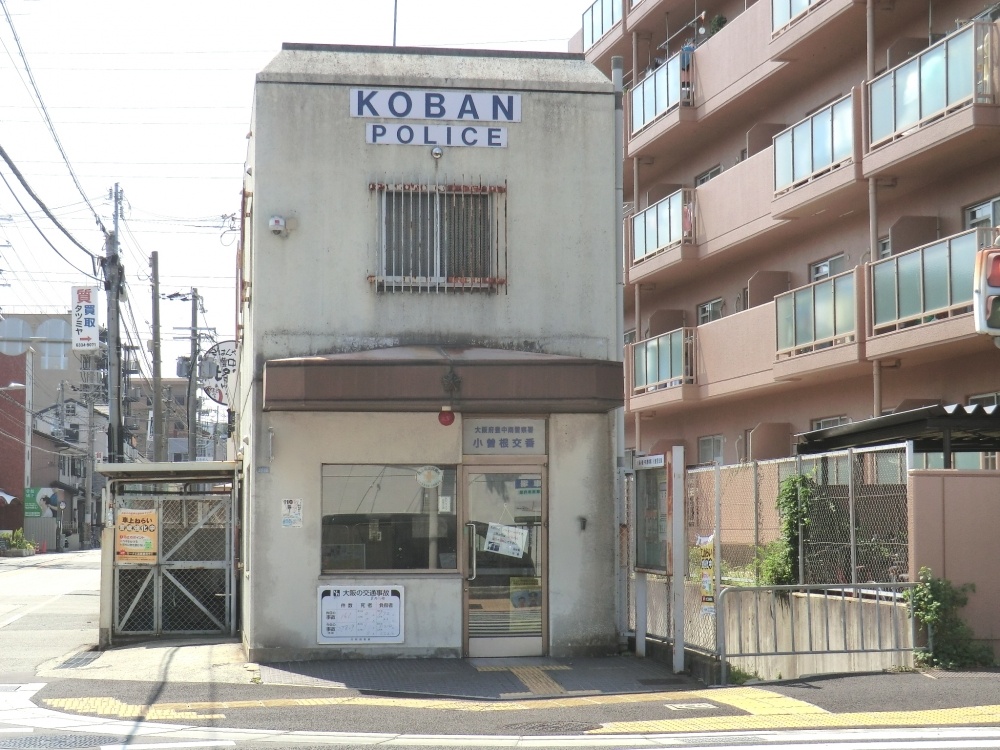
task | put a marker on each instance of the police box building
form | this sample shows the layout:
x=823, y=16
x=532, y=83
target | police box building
x=428, y=359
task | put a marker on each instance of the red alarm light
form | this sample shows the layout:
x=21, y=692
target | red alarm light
x=446, y=416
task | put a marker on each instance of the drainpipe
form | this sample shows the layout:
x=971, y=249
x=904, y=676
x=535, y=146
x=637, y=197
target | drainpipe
x=617, y=63
x=877, y=388
x=872, y=190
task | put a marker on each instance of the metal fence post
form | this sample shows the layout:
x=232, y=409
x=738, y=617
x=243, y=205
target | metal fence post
x=756, y=524
x=717, y=553
x=798, y=507
x=852, y=516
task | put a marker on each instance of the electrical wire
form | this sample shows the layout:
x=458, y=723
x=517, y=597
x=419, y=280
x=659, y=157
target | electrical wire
x=45, y=209
x=48, y=120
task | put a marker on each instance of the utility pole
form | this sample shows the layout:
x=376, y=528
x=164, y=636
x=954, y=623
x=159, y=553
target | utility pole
x=158, y=433
x=193, y=382
x=112, y=275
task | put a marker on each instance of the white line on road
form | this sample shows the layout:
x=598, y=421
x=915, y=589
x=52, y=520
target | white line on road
x=133, y=746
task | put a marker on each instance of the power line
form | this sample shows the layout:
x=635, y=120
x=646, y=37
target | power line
x=48, y=120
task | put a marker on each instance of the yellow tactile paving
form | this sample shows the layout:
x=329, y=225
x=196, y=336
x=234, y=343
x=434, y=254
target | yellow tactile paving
x=534, y=678
x=974, y=715
x=761, y=702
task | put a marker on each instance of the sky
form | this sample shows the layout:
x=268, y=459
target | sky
x=157, y=99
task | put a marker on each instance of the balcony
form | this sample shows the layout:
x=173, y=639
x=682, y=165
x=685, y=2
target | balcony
x=817, y=163
x=937, y=109
x=663, y=90
x=727, y=357
x=602, y=34
x=923, y=297
x=665, y=361
x=817, y=32
x=817, y=326
x=665, y=226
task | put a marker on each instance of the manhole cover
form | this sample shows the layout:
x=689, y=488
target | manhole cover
x=83, y=659
x=60, y=741
x=551, y=727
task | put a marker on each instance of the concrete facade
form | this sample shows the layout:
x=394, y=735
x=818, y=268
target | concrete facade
x=341, y=363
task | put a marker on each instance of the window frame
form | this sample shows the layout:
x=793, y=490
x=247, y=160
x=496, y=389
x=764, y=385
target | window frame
x=716, y=447
x=990, y=205
x=707, y=175
x=711, y=310
x=457, y=242
x=818, y=273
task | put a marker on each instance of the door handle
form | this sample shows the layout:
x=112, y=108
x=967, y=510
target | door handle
x=472, y=550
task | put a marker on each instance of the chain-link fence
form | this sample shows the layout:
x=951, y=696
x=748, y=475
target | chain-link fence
x=856, y=530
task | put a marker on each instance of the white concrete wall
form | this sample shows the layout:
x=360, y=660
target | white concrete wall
x=283, y=570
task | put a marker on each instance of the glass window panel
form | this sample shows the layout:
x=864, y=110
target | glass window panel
x=677, y=354
x=804, y=316
x=908, y=94
x=883, y=120
x=822, y=139
x=663, y=223
x=648, y=101
x=936, y=276
x=676, y=216
x=843, y=130
x=651, y=516
x=608, y=14
x=783, y=160
x=844, y=302
x=380, y=518
x=616, y=11
x=801, y=150
x=673, y=80
x=932, y=82
x=652, y=361
x=635, y=99
x=588, y=28
x=650, y=215
x=961, y=67
x=966, y=461
x=638, y=237
x=963, y=264
x=659, y=83
x=823, y=310
x=799, y=6
x=884, y=301
x=780, y=13
x=639, y=365
x=666, y=366
x=908, y=280
x=786, y=321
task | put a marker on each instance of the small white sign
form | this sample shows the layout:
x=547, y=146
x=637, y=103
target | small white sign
x=404, y=134
x=506, y=540
x=649, y=462
x=291, y=513
x=360, y=614
x=429, y=477
x=503, y=436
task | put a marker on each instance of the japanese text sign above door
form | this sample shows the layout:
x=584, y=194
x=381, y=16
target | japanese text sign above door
x=503, y=436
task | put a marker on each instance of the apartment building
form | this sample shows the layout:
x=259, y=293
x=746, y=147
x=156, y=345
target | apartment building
x=806, y=184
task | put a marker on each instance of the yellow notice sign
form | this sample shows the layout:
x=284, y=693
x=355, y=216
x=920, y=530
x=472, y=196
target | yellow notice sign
x=135, y=537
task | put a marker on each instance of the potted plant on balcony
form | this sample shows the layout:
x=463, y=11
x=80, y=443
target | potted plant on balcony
x=17, y=545
x=716, y=24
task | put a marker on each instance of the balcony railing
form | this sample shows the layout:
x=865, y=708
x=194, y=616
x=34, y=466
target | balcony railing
x=663, y=90
x=927, y=283
x=814, y=146
x=665, y=361
x=816, y=316
x=783, y=12
x=665, y=224
x=599, y=19
x=953, y=73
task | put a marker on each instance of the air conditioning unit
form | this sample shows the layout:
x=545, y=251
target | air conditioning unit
x=57, y=433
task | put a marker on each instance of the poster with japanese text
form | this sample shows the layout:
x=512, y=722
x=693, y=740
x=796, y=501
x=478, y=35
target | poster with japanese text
x=360, y=614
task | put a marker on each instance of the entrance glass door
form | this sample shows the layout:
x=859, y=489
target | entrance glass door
x=505, y=555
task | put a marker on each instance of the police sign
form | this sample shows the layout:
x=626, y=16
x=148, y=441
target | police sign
x=463, y=107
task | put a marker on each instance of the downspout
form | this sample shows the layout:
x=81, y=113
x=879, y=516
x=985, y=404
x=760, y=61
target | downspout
x=872, y=188
x=621, y=519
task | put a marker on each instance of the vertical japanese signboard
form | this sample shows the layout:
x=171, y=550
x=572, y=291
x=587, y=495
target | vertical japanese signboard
x=654, y=515
x=360, y=614
x=84, y=312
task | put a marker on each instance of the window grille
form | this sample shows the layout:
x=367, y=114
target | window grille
x=439, y=238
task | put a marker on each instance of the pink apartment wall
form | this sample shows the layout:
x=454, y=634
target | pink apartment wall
x=953, y=518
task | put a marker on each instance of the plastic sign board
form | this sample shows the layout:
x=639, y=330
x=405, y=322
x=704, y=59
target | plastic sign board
x=41, y=502
x=224, y=356
x=986, y=291
x=83, y=308
x=354, y=613
x=135, y=537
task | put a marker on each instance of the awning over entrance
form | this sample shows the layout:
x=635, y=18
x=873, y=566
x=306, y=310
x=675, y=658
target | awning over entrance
x=419, y=378
x=932, y=429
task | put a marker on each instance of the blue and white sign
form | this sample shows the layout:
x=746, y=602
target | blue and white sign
x=412, y=104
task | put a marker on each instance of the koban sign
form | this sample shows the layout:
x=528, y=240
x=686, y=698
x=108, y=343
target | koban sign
x=476, y=106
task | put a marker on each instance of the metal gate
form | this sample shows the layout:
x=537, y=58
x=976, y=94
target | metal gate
x=189, y=589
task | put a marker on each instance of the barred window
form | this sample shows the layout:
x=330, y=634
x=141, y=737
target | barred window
x=440, y=237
